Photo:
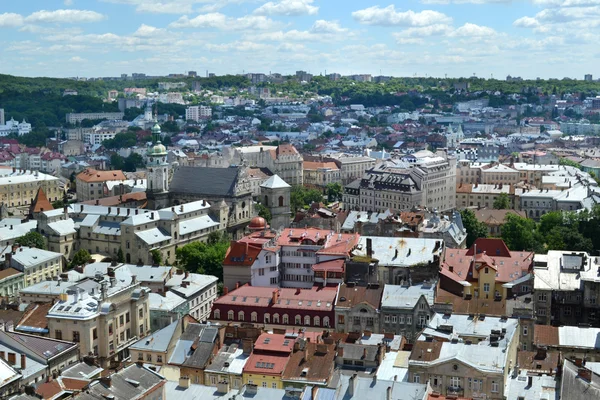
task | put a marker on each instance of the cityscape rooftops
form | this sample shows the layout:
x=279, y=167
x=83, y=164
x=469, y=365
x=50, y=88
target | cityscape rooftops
x=157, y=341
x=399, y=252
x=90, y=175
x=398, y=296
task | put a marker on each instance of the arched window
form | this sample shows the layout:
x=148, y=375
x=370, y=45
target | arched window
x=266, y=201
x=298, y=320
x=286, y=319
x=275, y=318
x=267, y=319
x=317, y=321
x=280, y=201
x=326, y=322
x=217, y=314
x=240, y=316
x=307, y=320
x=253, y=316
x=230, y=315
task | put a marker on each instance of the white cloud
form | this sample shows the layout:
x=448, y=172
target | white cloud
x=288, y=7
x=77, y=59
x=320, y=31
x=148, y=31
x=10, y=20
x=225, y=23
x=472, y=30
x=64, y=16
x=526, y=22
x=68, y=2
x=388, y=16
x=431, y=30
x=323, y=26
x=176, y=6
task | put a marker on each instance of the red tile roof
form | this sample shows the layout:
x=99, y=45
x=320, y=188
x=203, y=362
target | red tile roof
x=264, y=364
x=545, y=335
x=40, y=203
x=330, y=242
x=330, y=266
x=274, y=342
x=92, y=175
x=315, y=298
x=242, y=253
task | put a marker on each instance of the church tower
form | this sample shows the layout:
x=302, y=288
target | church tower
x=275, y=193
x=157, y=187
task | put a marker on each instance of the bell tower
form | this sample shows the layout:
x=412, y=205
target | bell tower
x=157, y=187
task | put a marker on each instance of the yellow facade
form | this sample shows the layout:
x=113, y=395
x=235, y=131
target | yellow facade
x=268, y=381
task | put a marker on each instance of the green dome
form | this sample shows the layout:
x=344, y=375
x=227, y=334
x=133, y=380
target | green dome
x=156, y=128
x=158, y=149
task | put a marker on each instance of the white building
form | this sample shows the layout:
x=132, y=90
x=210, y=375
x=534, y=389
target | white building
x=200, y=291
x=37, y=265
x=12, y=126
x=197, y=113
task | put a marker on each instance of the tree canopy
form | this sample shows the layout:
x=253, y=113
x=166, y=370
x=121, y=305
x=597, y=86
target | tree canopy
x=475, y=229
x=32, y=239
x=502, y=202
x=204, y=258
x=302, y=197
x=82, y=257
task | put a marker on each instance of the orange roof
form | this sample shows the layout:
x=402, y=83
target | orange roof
x=317, y=165
x=330, y=242
x=5, y=273
x=117, y=200
x=264, y=364
x=274, y=342
x=92, y=175
x=545, y=335
x=40, y=203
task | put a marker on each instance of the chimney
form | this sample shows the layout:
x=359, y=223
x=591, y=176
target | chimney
x=369, y=247
x=388, y=393
x=184, y=382
x=23, y=361
x=12, y=358
x=187, y=274
x=223, y=386
x=97, y=202
x=225, y=290
x=107, y=380
x=247, y=346
x=352, y=385
x=133, y=279
x=529, y=381
x=3, y=355
x=237, y=285
x=583, y=373
x=274, y=297
x=451, y=268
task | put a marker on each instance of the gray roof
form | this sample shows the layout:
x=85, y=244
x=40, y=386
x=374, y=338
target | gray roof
x=366, y=388
x=411, y=251
x=42, y=347
x=356, y=351
x=174, y=391
x=81, y=371
x=204, y=181
x=542, y=387
x=396, y=296
x=275, y=182
x=577, y=388
x=158, y=341
x=129, y=383
x=364, y=217
x=204, y=336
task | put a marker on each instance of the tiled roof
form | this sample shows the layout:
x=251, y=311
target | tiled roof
x=314, y=165
x=426, y=351
x=274, y=342
x=265, y=364
x=331, y=243
x=40, y=203
x=8, y=272
x=316, y=367
x=242, y=253
x=43, y=347
x=92, y=175
x=545, y=335
x=330, y=266
x=35, y=320
x=354, y=295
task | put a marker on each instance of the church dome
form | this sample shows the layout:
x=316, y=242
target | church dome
x=158, y=149
x=257, y=224
x=156, y=129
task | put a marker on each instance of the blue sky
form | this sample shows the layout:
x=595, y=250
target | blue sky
x=529, y=38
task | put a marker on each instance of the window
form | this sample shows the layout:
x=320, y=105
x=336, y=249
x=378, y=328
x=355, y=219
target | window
x=241, y=315
x=416, y=378
x=273, y=281
x=495, y=387
x=486, y=287
x=267, y=318
x=298, y=320
x=422, y=320
x=409, y=320
x=141, y=329
x=280, y=201
x=340, y=319
x=141, y=356
x=274, y=385
x=230, y=315
x=159, y=358
x=455, y=381
x=286, y=319
x=307, y=320
x=568, y=311
x=264, y=384
x=127, y=317
x=541, y=312
x=141, y=312
x=525, y=330
x=110, y=329
x=386, y=319
x=149, y=357
x=254, y=316
x=76, y=336
x=121, y=320
x=524, y=346
x=217, y=314
x=261, y=272
x=542, y=297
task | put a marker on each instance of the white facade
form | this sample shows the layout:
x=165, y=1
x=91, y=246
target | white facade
x=12, y=126
x=265, y=271
x=196, y=113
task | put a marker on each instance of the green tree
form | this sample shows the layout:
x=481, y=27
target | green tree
x=156, y=256
x=117, y=161
x=170, y=126
x=520, y=234
x=32, y=239
x=58, y=204
x=334, y=191
x=203, y=258
x=502, y=202
x=566, y=161
x=475, y=229
x=263, y=212
x=133, y=162
x=82, y=257
x=120, y=256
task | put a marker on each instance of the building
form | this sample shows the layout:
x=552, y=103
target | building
x=19, y=187
x=158, y=347
x=357, y=308
x=75, y=118
x=165, y=309
x=11, y=282
x=312, y=307
x=267, y=363
x=2, y=117
x=321, y=174
x=132, y=382
x=37, y=265
x=587, y=77
x=494, y=219
x=199, y=291
x=104, y=321
x=157, y=190
x=228, y=365
x=198, y=113
x=351, y=167
x=405, y=310
x=90, y=183
x=276, y=194
x=311, y=363
x=571, y=342
x=283, y=160
x=579, y=382
x=194, y=350
x=15, y=127
x=422, y=179
x=472, y=361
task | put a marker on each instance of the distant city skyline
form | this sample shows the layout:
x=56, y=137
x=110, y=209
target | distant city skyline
x=454, y=38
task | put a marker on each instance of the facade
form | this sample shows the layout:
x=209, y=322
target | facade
x=276, y=194
x=352, y=167
x=321, y=174
x=90, y=183
x=165, y=309
x=19, y=187
x=198, y=113
x=420, y=180
x=406, y=310
x=74, y=118
x=199, y=291
x=228, y=364
x=11, y=282
x=313, y=307
x=357, y=308
x=266, y=364
x=283, y=160
x=106, y=321
x=484, y=195
x=36, y=265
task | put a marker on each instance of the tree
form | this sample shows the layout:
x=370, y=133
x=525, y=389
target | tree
x=520, y=234
x=263, y=212
x=133, y=162
x=502, y=202
x=58, y=204
x=571, y=163
x=156, y=256
x=82, y=257
x=475, y=229
x=120, y=256
x=334, y=191
x=32, y=239
x=203, y=258
x=116, y=161
x=170, y=126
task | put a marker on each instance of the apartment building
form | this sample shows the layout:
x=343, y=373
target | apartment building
x=484, y=195
x=37, y=265
x=198, y=113
x=11, y=283
x=90, y=183
x=19, y=187
x=357, y=308
x=321, y=174
x=74, y=118
x=199, y=291
x=106, y=321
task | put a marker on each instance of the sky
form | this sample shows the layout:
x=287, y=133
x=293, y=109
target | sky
x=454, y=38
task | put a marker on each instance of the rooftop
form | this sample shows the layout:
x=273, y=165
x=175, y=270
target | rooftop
x=400, y=252
x=90, y=175
x=397, y=296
